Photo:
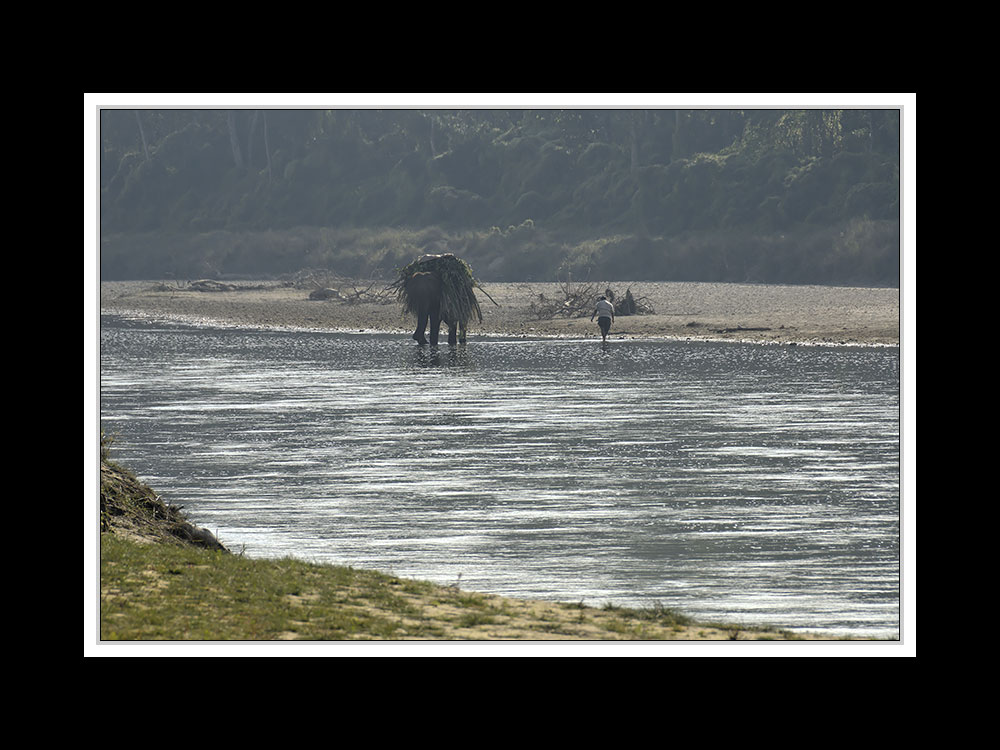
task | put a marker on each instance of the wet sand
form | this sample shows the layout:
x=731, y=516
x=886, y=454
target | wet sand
x=679, y=310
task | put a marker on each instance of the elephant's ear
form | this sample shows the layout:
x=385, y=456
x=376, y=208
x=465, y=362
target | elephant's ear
x=401, y=286
x=406, y=297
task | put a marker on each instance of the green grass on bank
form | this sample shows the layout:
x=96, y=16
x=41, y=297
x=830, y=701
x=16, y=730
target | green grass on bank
x=172, y=592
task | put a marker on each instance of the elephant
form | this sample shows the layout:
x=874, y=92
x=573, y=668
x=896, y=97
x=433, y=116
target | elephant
x=423, y=289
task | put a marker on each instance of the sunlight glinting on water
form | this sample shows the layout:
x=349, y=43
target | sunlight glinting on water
x=730, y=481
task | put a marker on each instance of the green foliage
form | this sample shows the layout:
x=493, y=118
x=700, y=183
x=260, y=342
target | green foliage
x=179, y=181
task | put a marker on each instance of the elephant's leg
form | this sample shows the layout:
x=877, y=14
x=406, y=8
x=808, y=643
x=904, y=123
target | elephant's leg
x=418, y=335
x=461, y=333
x=435, y=327
x=452, y=334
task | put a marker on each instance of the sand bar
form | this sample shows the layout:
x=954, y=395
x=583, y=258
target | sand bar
x=763, y=313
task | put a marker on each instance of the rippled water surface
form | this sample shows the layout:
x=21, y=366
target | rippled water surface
x=756, y=484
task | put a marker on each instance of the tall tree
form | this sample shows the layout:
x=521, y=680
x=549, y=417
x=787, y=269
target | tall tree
x=142, y=135
x=234, y=140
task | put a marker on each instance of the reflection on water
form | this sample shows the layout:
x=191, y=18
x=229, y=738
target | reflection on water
x=757, y=484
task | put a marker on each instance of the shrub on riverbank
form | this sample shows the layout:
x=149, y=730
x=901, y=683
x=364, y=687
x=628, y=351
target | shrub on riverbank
x=130, y=508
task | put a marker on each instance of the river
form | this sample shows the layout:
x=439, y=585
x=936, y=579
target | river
x=756, y=484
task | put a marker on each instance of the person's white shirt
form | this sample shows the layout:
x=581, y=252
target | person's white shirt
x=605, y=309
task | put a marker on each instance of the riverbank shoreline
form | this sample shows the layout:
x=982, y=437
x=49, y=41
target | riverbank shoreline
x=141, y=536
x=772, y=314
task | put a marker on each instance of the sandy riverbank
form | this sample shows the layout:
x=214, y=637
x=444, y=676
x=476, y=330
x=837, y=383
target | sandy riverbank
x=681, y=310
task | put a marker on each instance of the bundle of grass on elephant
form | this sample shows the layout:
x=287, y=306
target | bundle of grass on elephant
x=438, y=289
x=458, y=300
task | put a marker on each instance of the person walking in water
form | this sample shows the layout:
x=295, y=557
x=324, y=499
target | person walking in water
x=605, y=313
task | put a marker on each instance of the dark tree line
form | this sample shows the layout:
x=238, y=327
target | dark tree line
x=761, y=195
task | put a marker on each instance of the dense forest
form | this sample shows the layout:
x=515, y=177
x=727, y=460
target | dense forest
x=766, y=195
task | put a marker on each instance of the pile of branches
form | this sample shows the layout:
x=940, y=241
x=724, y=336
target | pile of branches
x=458, y=298
x=207, y=285
x=629, y=305
x=578, y=300
x=328, y=286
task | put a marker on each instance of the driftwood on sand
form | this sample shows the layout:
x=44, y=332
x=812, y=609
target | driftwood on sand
x=577, y=300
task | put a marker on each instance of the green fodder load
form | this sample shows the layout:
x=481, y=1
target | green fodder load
x=458, y=298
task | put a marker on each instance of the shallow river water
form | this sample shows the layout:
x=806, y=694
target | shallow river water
x=756, y=484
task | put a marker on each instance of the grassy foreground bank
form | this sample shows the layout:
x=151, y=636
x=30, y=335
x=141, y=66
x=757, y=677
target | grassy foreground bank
x=164, y=580
x=166, y=592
